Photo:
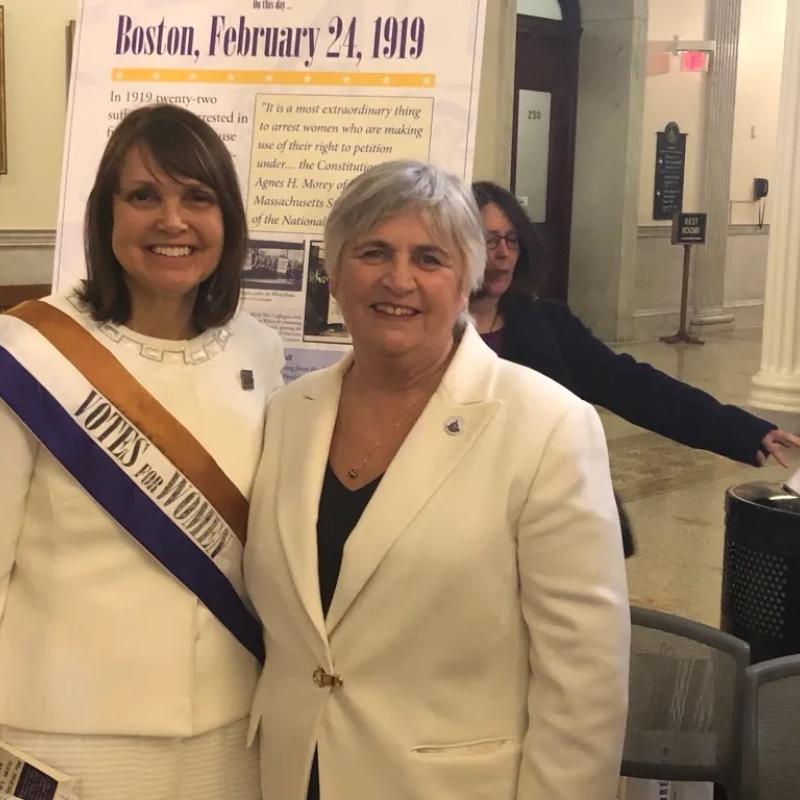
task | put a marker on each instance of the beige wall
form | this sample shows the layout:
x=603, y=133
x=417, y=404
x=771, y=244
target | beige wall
x=757, y=99
x=35, y=103
x=681, y=96
x=673, y=96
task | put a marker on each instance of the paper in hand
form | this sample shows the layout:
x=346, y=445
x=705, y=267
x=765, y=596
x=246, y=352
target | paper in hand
x=793, y=482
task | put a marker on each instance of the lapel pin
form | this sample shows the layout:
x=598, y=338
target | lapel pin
x=246, y=377
x=454, y=425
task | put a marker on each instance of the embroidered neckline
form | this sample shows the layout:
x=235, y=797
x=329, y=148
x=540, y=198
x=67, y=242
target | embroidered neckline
x=190, y=352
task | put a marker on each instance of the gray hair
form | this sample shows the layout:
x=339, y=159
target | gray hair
x=395, y=187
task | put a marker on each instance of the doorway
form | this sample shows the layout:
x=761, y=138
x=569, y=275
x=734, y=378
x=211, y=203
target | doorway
x=543, y=138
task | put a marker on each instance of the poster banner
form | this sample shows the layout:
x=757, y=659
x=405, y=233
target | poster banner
x=306, y=95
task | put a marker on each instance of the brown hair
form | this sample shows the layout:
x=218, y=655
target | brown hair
x=183, y=146
x=529, y=273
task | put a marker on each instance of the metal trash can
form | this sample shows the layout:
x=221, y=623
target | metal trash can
x=761, y=569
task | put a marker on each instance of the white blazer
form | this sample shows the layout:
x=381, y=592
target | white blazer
x=480, y=624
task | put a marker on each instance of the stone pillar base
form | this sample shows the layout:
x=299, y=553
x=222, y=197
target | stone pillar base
x=712, y=320
x=776, y=392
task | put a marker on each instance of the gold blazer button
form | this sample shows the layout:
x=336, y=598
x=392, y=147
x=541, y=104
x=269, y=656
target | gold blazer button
x=325, y=679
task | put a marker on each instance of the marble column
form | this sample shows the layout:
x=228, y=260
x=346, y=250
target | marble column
x=777, y=384
x=611, y=84
x=708, y=294
x=496, y=98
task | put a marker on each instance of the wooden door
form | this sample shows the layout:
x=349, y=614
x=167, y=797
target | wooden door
x=543, y=144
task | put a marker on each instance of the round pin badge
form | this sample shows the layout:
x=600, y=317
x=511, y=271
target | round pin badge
x=454, y=425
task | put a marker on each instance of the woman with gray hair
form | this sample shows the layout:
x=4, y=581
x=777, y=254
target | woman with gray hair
x=442, y=587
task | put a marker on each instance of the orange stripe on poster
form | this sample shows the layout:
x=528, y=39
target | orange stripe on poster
x=405, y=80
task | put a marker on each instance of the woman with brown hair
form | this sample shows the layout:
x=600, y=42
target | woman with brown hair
x=131, y=415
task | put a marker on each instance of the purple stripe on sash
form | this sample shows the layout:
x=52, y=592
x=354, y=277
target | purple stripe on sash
x=95, y=470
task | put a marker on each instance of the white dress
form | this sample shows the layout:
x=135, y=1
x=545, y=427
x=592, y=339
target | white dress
x=111, y=670
x=210, y=766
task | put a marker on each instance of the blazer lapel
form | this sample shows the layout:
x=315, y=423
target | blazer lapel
x=423, y=463
x=308, y=428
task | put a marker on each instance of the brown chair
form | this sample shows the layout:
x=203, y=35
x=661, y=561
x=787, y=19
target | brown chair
x=11, y=296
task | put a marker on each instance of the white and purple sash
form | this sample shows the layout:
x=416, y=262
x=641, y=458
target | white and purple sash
x=131, y=455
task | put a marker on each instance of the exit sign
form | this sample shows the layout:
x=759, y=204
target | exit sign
x=694, y=61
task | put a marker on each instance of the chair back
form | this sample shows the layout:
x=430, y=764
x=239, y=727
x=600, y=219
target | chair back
x=686, y=689
x=771, y=725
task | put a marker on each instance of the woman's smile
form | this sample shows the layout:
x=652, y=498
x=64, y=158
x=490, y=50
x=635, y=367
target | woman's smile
x=394, y=311
x=172, y=251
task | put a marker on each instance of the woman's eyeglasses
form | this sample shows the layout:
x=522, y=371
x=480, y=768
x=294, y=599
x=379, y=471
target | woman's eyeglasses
x=511, y=239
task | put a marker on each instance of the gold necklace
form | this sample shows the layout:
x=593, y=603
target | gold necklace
x=355, y=471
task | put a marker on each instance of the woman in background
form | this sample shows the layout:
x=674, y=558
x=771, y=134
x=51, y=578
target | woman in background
x=546, y=336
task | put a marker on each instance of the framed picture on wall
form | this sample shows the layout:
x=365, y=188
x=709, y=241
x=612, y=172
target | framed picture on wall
x=3, y=148
x=70, y=34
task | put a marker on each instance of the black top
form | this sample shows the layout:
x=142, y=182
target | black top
x=340, y=509
x=549, y=338
x=339, y=512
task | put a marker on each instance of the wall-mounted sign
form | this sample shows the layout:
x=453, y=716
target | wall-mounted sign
x=689, y=229
x=670, y=168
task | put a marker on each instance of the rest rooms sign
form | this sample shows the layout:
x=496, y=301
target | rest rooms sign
x=689, y=229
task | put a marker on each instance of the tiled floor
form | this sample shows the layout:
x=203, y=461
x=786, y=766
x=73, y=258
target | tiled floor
x=675, y=495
